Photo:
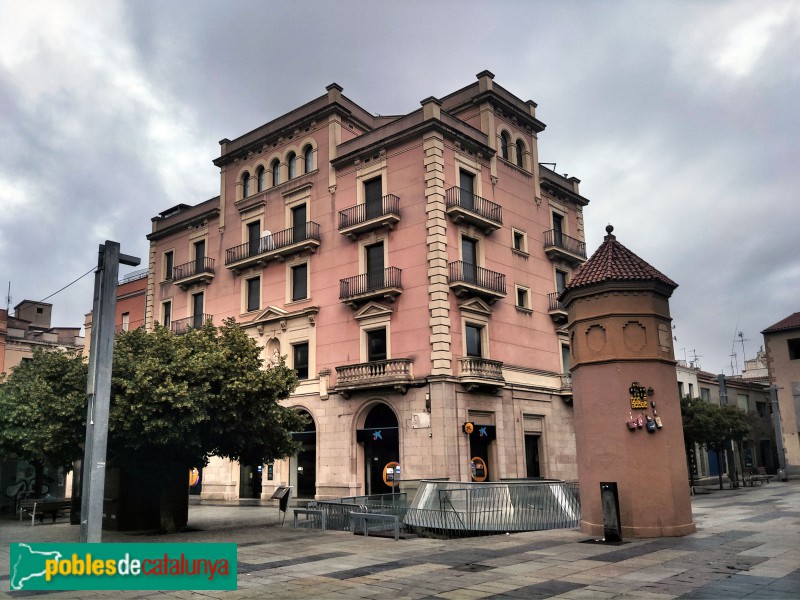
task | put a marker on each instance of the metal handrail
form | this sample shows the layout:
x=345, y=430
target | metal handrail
x=553, y=302
x=369, y=282
x=195, y=267
x=181, y=326
x=360, y=213
x=466, y=200
x=280, y=239
x=460, y=271
x=556, y=239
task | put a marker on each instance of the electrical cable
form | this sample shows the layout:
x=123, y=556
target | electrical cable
x=69, y=284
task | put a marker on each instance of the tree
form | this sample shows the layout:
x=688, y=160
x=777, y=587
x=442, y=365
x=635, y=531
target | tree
x=712, y=426
x=42, y=411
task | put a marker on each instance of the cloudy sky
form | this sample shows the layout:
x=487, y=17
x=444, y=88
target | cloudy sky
x=680, y=118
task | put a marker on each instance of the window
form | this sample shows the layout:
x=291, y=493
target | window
x=126, y=321
x=680, y=389
x=245, y=184
x=261, y=179
x=469, y=259
x=565, y=362
x=742, y=400
x=308, y=158
x=299, y=223
x=794, y=348
x=520, y=154
x=200, y=256
x=276, y=171
x=253, y=238
x=761, y=409
x=300, y=282
x=474, y=343
x=467, y=184
x=291, y=161
x=253, y=293
x=197, y=310
x=691, y=390
x=705, y=394
x=375, y=266
x=166, y=313
x=505, y=142
x=561, y=280
x=372, y=197
x=376, y=345
x=169, y=259
x=558, y=230
x=519, y=240
x=300, y=359
x=523, y=298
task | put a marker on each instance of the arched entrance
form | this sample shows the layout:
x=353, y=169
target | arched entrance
x=381, y=443
x=303, y=465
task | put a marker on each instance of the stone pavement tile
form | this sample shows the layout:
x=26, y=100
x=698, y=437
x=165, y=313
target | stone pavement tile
x=654, y=573
x=587, y=594
x=463, y=594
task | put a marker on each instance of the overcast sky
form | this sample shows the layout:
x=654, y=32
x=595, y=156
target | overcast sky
x=680, y=119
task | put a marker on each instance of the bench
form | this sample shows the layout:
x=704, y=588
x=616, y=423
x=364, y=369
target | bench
x=363, y=517
x=316, y=512
x=42, y=507
x=756, y=476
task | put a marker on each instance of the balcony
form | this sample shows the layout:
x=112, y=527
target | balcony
x=556, y=309
x=276, y=246
x=562, y=247
x=363, y=218
x=382, y=285
x=197, y=271
x=465, y=206
x=480, y=373
x=181, y=326
x=466, y=279
x=396, y=373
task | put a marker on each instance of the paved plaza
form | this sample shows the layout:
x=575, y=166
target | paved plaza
x=746, y=546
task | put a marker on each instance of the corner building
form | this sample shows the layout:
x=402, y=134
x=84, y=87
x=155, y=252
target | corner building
x=408, y=268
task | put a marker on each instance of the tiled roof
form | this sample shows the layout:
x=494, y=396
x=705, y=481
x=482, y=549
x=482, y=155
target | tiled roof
x=614, y=262
x=790, y=322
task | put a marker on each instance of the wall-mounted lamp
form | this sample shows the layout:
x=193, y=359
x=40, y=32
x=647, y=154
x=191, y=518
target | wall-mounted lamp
x=650, y=391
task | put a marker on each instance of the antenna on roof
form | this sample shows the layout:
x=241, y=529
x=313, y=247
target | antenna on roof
x=696, y=358
x=742, y=340
x=8, y=298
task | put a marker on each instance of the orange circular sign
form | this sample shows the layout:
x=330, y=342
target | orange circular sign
x=194, y=477
x=479, y=470
x=468, y=428
x=391, y=473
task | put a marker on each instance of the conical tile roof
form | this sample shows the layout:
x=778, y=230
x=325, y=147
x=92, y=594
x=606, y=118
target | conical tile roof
x=614, y=262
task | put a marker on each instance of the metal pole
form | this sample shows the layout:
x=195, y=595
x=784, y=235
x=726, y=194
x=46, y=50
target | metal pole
x=98, y=388
x=776, y=424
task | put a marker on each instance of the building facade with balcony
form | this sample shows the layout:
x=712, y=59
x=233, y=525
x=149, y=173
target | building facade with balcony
x=405, y=266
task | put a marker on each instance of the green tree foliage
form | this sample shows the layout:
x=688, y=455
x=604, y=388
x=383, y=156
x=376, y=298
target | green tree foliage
x=42, y=410
x=713, y=426
x=176, y=399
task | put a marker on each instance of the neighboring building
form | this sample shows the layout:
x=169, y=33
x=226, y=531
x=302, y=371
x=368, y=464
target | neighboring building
x=782, y=345
x=130, y=308
x=30, y=328
x=751, y=395
x=408, y=268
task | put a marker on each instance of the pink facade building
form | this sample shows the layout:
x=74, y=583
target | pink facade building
x=408, y=268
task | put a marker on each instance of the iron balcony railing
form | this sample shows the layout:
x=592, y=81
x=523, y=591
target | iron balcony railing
x=369, y=283
x=268, y=243
x=190, y=269
x=480, y=368
x=394, y=369
x=554, y=303
x=361, y=213
x=556, y=239
x=468, y=273
x=181, y=326
x=466, y=200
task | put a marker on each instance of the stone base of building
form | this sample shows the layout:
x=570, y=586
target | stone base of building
x=596, y=530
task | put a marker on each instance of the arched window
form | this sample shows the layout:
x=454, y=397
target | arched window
x=291, y=161
x=276, y=172
x=520, y=154
x=505, y=142
x=261, y=179
x=245, y=184
x=308, y=158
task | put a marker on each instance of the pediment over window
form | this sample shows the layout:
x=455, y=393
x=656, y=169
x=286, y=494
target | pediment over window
x=271, y=313
x=476, y=306
x=372, y=310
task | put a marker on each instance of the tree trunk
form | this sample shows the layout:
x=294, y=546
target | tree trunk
x=38, y=480
x=719, y=466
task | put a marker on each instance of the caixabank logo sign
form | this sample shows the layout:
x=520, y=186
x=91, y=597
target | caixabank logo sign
x=122, y=567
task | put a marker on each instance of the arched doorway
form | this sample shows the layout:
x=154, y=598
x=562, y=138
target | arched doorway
x=303, y=465
x=381, y=443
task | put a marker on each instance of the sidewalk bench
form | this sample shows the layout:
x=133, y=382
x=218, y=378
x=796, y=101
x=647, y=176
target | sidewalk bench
x=758, y=476
x=762, y=476
x=363, y=517
x=319, y=514
x=43, y=507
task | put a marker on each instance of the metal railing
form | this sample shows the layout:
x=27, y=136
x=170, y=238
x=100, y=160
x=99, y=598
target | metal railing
x=556, y=239
x=360, y=213
x=554, y=303
x=484, y=368
x=460, y=271
x=195, y=267
x=268, y=243
x=337, y=511
x=394, y=369
x=369, y=282
x=181, y=326
x=466, y=200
